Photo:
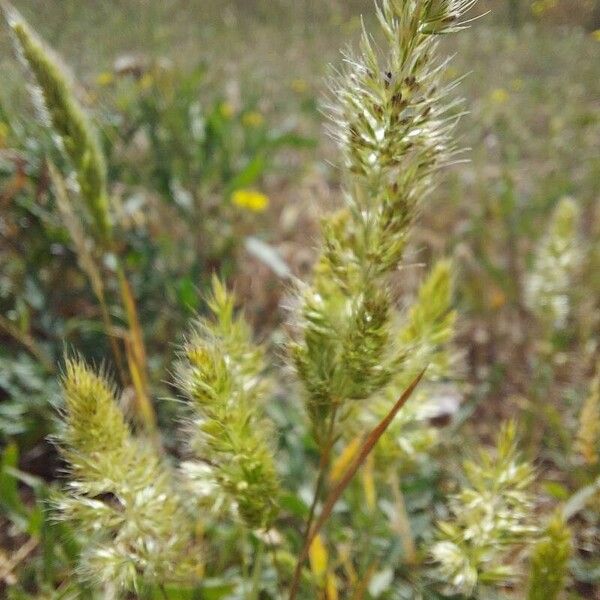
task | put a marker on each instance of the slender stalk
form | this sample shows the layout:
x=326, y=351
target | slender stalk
x=163, y=591
x=87, y=264
x=28, y=342
x=136, y=353
x=18, y=557
x=112, y=339
x=323, y=465
x=257, y=571
x=337, y=491
x=275, y=560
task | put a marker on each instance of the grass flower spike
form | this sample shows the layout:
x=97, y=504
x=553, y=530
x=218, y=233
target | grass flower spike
x=491, y=517
x=549, y=561
x=392, y=121
x=68, y=120
x=425, y=338
x=556, y=258
x=222, y=374
x=121, y=494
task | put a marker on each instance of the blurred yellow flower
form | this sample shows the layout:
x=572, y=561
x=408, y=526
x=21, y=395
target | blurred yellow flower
x=367, y=476
x=539, y=7
x=105, y=78
x=596, y=35
x=226, y=110
x=499, y=96
x=299, y=86
x=450, y=72
x=250, y=200
x=253, y=119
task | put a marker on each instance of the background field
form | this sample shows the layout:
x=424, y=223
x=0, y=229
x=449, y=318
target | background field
x=532, y=94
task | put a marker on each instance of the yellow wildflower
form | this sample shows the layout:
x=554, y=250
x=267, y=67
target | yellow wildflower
x=105, y=78
x=226, y=109
x=497, y=299
x=253, y=119
x=299, y=86
x=499, y=96
x=251, y=200
x=539, y=7
x=596, y=35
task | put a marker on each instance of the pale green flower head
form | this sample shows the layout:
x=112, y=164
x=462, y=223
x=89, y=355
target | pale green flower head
x=222, y=374
x=56, y=99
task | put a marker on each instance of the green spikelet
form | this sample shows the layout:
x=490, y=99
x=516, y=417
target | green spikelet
x=121, y=496
x=222, y=374
x=67, y=119
x=549, y=561
x=345, y=354
x=557, y=256
x=431, y=322
x=424, y=338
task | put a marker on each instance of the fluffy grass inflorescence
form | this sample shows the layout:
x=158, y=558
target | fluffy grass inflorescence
x=491, y=518
x=393, y=122
x=120, y=493
x=57, y=102
x=222, y=373
x=392, y=119
x=556, y=259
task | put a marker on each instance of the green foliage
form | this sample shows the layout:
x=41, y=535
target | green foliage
x=51, y=547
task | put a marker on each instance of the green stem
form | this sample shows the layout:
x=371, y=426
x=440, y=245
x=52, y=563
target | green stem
x=323, y=465
x=342, y=484
x=257, y=571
